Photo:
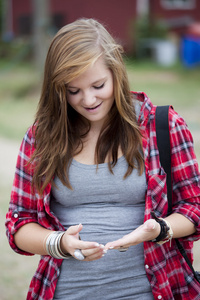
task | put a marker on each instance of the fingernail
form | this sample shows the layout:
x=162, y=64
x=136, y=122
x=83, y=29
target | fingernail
x=104, y=251
x=97, y=245
x=111, y=248
x=102, y=246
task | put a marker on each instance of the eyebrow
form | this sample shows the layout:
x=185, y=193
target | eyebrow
x=95, y=82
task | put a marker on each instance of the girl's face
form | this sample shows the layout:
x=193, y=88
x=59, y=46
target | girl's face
x=91, y=94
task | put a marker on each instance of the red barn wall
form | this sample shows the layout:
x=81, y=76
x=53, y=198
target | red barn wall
x=115, y=14
x=185, y=16
x=159, y=11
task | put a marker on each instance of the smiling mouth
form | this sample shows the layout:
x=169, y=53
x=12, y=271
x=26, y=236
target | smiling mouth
x=93, y=108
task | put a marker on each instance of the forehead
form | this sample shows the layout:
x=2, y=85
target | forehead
x=95, y=72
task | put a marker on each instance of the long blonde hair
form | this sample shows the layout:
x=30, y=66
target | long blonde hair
x=58, y=128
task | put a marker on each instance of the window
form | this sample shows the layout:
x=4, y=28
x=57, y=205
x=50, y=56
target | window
x=178, y=4
x=58, y=21
x=25, y=25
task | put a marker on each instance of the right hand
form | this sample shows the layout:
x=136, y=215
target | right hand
x=70, y=242
x=145, y=232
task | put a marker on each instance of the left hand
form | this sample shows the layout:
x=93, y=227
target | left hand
x=146, y=232
x=70, y=242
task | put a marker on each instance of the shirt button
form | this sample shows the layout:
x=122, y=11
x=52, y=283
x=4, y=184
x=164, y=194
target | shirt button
x=159, y=297
x=15, y=215
x=146, y=267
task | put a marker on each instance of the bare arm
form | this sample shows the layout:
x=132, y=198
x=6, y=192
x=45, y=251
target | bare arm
x=31, y=238
x=180, y=225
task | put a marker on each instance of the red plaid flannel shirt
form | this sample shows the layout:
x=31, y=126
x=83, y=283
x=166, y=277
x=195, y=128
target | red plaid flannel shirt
x=168, y=273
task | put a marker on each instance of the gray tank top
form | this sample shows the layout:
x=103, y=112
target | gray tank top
x=108, y=207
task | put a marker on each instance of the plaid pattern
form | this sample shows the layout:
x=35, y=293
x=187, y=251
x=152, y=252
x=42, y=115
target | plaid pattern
x=168, y=273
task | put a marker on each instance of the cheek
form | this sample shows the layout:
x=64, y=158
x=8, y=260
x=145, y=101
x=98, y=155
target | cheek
x=107, y=93
x=73, y=101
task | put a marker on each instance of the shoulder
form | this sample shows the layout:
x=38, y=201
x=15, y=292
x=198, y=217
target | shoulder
x=143, y=106
x=30, y=134
x=178, y=125
x=28, y=143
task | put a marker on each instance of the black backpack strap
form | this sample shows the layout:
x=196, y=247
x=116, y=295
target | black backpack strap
x=163, y=142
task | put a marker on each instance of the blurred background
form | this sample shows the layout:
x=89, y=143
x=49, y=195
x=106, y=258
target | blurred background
x=161, y=39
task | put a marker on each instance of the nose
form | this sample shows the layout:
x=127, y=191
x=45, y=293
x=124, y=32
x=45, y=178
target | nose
x=88, y=99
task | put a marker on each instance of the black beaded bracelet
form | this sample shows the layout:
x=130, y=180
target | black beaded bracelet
x=163, y=231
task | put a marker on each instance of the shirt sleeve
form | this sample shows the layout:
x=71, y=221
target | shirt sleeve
x=23, y=203
x=185, y=172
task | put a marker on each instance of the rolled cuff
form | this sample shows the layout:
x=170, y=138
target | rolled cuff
x=14, y=221
x=192, y=212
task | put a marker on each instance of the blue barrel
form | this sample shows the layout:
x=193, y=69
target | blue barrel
x=190, y=49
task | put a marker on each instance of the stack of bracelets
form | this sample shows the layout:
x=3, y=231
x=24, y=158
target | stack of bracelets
x=166, y=232
x=53, y=245
x=53, y=248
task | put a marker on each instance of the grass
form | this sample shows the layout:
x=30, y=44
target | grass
x=176, y=86
x=20, y=91
x=16, y=270
x=180, y=85
x=19, y=94
x=20, y=117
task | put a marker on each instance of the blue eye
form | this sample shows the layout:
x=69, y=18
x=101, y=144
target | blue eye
x=99, y=87
x=73, y=93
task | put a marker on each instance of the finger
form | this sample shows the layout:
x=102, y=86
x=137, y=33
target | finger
x=116, y=244
x=78, y=252
x=95, y=255
x=73, y=230
x=70, y=243
x=125, y=242
x=91, y=254
x=99, y=250
x=84, y=245
x=78, y=255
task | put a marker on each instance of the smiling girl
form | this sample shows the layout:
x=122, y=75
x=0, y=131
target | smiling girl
x=88, y=176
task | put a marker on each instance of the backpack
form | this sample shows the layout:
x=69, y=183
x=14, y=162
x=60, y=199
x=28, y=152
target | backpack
x=163, y=142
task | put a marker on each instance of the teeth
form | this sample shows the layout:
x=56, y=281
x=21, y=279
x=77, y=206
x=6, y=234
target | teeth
x=94, y=107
